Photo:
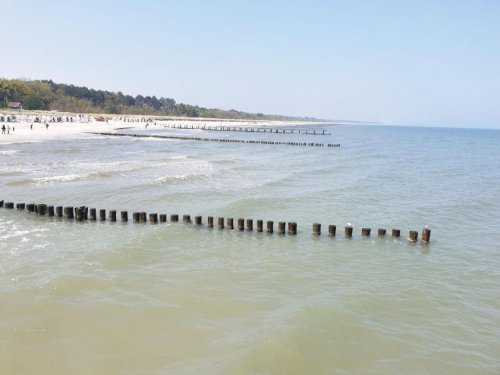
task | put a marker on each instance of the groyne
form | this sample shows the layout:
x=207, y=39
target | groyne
x=86, y=214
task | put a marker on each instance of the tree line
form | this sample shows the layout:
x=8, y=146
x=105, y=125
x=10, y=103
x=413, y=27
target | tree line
x=48, y=95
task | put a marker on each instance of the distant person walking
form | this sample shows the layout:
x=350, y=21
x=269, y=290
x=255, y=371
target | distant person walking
x=47, y=126
x=31, y=126
x=8, y=129
x=3, y=129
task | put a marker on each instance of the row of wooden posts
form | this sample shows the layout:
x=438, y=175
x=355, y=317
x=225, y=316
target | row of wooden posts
x=222, y=128
x=84, y=213
x=225, y=140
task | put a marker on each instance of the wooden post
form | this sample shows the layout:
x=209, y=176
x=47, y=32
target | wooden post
x=381, y=232
x=220, y=223
x=112, y=215
x=153, y=218
x=20, y=206
x=270, y=225
x=69, y=212
x=426, y=235
x=281, y=227
x=241, y=224
x=197, y=220
x=348, y=232
x=250, y=225
x=1, y=203
x=124, y=215
x=260, y=224
x=316, y=229
x=174, y=218
x=136, y=217
x=42, y=208
x=163, y=218
x=332, y=230
x=292, y=228
x=102, y=214
x=93, y=214
x=395, y=233
x=79, y=213
x=210, y=221
x=50, y=210
x=143, y=218
x=9, y=205
x=413, y=236
x=186, y=218
x=85, y=213
x=230, y=223
x=365, y=232
x=59, y=211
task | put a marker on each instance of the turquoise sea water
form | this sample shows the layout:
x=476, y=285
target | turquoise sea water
x=180, y=299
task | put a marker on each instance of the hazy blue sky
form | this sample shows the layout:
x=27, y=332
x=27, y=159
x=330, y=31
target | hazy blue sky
x=412, y=62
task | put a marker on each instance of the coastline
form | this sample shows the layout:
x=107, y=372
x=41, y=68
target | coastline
x=21, y=131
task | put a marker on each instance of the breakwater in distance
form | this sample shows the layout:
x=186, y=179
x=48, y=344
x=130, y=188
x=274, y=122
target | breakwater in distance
x=83, y=213
x=223, y=140
x=248, y=129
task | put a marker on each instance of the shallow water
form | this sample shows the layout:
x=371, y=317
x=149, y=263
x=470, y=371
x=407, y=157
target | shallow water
x=111, y=298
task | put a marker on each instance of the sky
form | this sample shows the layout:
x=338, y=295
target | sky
x=424, y=63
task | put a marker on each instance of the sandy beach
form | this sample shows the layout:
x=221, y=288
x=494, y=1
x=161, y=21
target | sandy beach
x=21, y=129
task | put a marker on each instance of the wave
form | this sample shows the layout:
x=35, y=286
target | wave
x=60, y=178
x=172, y=179
x=8, y=152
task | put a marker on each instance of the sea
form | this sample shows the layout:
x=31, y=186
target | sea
x=179, y=298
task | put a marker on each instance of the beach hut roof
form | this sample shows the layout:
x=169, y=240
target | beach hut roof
x=15, y=105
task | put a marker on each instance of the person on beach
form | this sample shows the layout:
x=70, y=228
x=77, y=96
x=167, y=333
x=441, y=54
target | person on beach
x=8, y=129
x=3, y=129
x=47, y=126
x=31, y=127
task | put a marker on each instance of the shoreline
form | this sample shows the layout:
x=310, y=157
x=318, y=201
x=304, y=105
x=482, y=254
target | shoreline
x=22, y=132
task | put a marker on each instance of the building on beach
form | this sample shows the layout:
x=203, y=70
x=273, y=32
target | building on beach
x=15, y=105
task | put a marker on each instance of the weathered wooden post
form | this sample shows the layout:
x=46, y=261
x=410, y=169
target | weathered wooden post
x=9, y=205
x=241, y=224
x=174, y=218
x=250, y=225
x=281, y=227
x=381, y=232
x=102, y=214
x=220, y=223
x=332, y=230
x=316, y=230
x=366, y=232
x=93, y=214
x=197, y=220
x=42, y=208
x=186, y=219
x=163, y=218
x=59, y=211
x=69, y=212
x=20, y=206
x=210, y=221
x=426, y=235
x=395, y=233
x=270, y=225
x=1, y=203
x=292, y=228
x=153, y=218
x=143, y=217
x=79, y=213
x=230, y=223
x=413, y=236
x=136, y=216
x=50, y=210
x=348, y=231
x=112, y=215
x=260, y=224
x=124, y=215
